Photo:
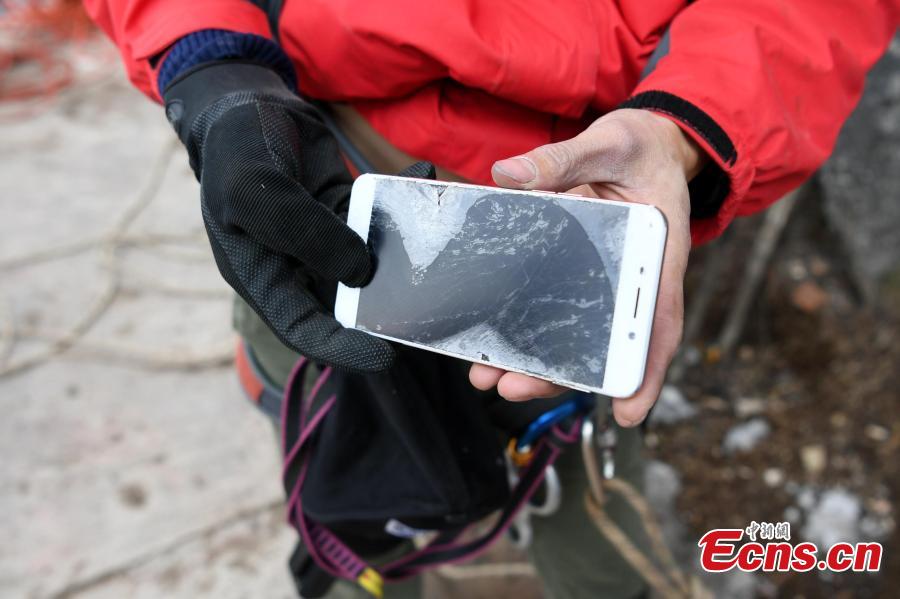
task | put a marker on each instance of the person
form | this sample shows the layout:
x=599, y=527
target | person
x=709, y=110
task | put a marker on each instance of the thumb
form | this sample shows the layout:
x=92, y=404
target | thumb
x=590, y=157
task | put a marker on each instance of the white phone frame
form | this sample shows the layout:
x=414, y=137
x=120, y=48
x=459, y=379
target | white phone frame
x=639, y=274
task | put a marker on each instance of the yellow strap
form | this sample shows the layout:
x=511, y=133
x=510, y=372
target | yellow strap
x=372, y=582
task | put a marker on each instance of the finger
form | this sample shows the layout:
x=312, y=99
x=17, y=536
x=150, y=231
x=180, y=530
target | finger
x=601, y=153
x=484, y=377
x=267, y=283
x=631, y=411
x=520, y=387
x=279, y=213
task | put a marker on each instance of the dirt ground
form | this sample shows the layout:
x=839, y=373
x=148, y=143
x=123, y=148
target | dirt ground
x=823, y=370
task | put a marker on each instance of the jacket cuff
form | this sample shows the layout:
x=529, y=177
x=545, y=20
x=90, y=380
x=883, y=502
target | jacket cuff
x=713, y=188
x=211, y=45
x=152, y=32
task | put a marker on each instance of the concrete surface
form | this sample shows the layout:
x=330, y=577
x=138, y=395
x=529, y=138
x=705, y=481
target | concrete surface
x=132, y=466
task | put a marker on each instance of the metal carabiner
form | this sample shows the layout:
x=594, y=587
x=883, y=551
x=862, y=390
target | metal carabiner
x=606, y=440
x=601, y=437
x=552, y=494
x=520, y=530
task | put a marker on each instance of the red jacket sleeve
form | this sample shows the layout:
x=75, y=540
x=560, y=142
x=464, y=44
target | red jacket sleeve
x=764, y=86
x=143, y=29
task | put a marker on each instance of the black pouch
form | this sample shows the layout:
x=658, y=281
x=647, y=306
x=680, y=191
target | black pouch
x=413, y=444
x=408, y=450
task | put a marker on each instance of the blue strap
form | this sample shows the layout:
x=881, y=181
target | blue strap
x=579, y=404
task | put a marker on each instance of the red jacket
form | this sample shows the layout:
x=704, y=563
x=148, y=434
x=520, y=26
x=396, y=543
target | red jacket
x=762, y=85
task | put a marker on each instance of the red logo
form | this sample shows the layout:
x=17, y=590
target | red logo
x=721, y=550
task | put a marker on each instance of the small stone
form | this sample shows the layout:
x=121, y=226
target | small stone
x=839, y=420
x=792, y=514
x=662, y=484
x=806, y=498
x=797, y=270
x=746, y=436
x=835, y=518
x=773, y=477
x=745, y=353
x=877, y=433
x=874, y=528
x=746, y=407
x=671, y=407
x=814, y=458
x=809, y=297
x=691, y=356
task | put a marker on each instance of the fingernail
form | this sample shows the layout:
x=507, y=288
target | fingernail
x=519, y=169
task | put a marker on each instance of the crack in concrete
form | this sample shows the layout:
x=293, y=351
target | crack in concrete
x=79, y=586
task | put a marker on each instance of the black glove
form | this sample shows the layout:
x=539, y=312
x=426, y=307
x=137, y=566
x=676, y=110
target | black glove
x=274, y=194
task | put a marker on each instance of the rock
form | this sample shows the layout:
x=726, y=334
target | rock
x=792, y=514
x=746, y=407
x=875, y=528
x=806, y=498
x=736, y=584
x=746, y=436
x=671, y=407
x=662, y=484
x=797, y=269
x=809, y=297
x=773, y=477
x=861, y=181
x=691, y=356
x=877, y=433
x=835, y=518
x=814, y=458
x=839, y=420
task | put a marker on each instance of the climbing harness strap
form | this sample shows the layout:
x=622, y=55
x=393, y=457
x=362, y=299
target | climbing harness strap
x=331, y=554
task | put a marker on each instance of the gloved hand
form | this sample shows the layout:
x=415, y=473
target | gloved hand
x=274, y=194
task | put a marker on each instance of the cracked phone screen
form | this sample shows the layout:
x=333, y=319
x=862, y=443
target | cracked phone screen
x=519, y=281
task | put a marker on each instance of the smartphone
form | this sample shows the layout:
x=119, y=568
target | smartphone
x=552, y=285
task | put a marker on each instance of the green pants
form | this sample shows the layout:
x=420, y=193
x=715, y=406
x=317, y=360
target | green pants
x=573, y=559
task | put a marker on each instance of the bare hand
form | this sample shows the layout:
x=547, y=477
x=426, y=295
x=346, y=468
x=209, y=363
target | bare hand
x=627, y=155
